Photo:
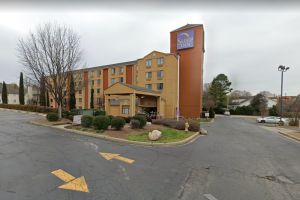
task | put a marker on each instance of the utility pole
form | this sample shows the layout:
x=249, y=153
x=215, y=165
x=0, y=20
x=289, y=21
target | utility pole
x=282, y=69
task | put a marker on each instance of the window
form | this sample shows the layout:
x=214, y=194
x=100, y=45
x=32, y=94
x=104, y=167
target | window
x=98, y=91
x=113, y=80
x=92, y=82
x=80, y=100
x=148, y=75
x=160, y=86
x=91, y=74
x=51, y=100
x=98, y=73
x=148, y=63
x=80, y=91
x=113, y=70
x=149, y=86
x=125, y=110
x=121, y=70
x=160, y=74
x=79, y=83
x=121, y=80
x=160, y=61
x=98, y=82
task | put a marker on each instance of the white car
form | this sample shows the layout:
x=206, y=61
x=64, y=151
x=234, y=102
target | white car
x=270, y=119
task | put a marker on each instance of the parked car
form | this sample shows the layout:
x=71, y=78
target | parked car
x=270, y=119
x=227, y=113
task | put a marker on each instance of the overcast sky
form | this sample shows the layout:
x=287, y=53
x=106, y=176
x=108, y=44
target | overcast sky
x=245, y=42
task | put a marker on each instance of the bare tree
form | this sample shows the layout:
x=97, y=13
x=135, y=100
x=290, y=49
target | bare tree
x=53, y=51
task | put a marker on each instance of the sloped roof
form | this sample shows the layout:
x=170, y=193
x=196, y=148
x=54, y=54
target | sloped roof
x=11, y=88
x=187, y=26
x=143, y=89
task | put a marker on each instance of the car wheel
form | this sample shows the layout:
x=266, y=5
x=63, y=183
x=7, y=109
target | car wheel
x=263, y=121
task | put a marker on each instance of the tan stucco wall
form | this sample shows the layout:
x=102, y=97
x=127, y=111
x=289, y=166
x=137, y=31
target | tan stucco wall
x=169, y=92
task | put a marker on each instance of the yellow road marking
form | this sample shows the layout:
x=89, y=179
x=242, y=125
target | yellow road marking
x=110, y=156
x=71, y=183
x=77, y=184
x=64, y=176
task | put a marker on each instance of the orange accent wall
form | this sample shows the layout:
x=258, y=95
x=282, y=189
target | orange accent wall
x=105, y=79
x=190, y=73
x=86, y=89
x=129, y=74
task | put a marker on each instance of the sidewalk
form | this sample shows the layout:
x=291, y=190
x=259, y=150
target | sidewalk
x=292, y=132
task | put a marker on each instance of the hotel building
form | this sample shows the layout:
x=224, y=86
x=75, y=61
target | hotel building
x=166, y=84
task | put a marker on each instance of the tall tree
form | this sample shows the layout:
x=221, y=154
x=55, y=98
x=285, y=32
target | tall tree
x=219, y=88
x=72, y=94
x=21, y=89
x=260, y=104
x=52, y=51
x=42, y=92
x=92, y=98
x=4, y=93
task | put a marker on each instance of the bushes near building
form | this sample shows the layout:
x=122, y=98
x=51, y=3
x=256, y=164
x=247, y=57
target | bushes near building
x=101, y=122
x=243, y=110
x=142, y=119
x=211, y=113
x=52, y=117
x=99, y=112
x=29, y=108
x=180, y=125
x=110, y=117
x=135, y=124
x=86, y=121
x=118, y=123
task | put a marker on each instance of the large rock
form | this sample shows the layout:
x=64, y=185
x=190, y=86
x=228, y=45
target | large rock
x=154, y=135
x=203, y=131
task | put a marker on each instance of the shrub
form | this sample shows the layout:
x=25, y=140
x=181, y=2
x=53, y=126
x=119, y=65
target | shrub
x=211, y=113
x=294, y=122
x=142, y=120
x=194, y=126
x=101, y=122
x=86, y=121
x=135, y=124
x=110, y=117
x=180, y=125
x=118, y=123
x=52, y=117
x=99, y=112
x=243, y=110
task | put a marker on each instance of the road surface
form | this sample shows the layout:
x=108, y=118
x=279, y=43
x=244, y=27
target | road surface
x=236, y=160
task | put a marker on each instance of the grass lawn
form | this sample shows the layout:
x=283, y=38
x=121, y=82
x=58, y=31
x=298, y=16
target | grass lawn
x=201, y=120
x=168, y=135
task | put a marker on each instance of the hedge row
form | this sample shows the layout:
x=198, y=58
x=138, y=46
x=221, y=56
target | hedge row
x=179, y=125
x=30, y=108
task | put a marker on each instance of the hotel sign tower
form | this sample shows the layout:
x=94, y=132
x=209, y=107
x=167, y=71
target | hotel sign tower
x=188, y=43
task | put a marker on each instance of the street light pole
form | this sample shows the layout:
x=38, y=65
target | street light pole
x=282, y=69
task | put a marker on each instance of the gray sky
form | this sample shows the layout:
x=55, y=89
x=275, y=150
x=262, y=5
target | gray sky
x=247, y=43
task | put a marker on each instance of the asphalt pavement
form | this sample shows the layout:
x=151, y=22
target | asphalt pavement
x=237, y=160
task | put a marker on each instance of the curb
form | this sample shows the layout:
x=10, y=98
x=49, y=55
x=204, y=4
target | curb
x=188, y=140
x=290, y=136
x=212, y=121
x=25, y=112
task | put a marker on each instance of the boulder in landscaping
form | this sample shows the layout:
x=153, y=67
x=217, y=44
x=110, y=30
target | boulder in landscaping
x=203, y=131
x=154, y=135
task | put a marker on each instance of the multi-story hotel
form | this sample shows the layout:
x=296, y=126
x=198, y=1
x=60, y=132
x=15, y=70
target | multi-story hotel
x=165, y=84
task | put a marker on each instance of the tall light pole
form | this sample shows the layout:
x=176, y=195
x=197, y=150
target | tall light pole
x=282, y=69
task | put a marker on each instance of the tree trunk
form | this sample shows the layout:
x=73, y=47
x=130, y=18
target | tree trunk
x=59, y=111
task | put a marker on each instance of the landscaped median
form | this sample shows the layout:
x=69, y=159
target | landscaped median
x=169, y=136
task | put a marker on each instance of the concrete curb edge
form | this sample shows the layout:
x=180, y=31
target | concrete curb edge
x=290, y=136
x=188, y=140
x=25, y=112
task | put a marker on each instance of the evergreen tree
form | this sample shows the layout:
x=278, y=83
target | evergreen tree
x=42, y=93
x=218, y=90
x=21, y=90
x=4, y=93
x=72, y=94
x=92, y=98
